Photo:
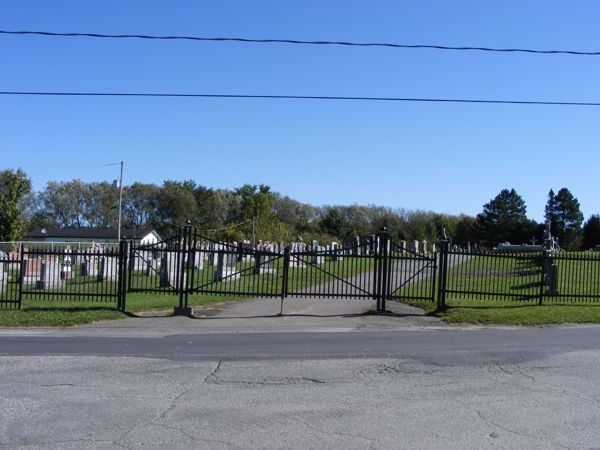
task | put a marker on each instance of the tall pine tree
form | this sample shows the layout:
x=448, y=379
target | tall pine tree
x=564, y=212
x=504, y=219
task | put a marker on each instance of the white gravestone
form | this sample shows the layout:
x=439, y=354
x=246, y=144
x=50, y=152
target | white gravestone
x=297, y=261
x=50, y=275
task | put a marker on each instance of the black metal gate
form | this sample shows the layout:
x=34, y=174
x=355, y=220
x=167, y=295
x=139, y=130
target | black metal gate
x=411, y=273
x=348, y=271
x=369, y=267
x=235, y=269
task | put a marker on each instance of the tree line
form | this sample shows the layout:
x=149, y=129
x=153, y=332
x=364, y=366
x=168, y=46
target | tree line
x=257, y=212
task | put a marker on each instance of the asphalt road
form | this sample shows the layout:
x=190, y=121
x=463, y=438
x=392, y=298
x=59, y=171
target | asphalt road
x=455, y=388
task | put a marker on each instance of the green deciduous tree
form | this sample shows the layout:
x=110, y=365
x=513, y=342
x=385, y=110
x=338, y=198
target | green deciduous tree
x=14, y=186
x=176, y=205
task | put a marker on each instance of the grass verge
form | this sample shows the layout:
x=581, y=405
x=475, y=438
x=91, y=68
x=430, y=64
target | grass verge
x=512, y=313
x=45, y=313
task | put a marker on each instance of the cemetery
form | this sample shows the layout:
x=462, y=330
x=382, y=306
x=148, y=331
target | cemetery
x=191, y=269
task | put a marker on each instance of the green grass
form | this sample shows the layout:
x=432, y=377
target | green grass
x=60, y=313
x=512, y=313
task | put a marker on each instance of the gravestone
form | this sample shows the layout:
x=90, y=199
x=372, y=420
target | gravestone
x=108, y=268
x=226, y=267
x=402, y=246
x=356, y=245
x=318, y=256
x=67, y=267
x=32, y=270
x=50, y=277
x=168, y=270
x=336, y=253
x=265, y=264
x=215, y=255
x=423, y=246
x=89, y=267
x=415, y=247
x=199, y=260
x=297, y=260
x=3, y=271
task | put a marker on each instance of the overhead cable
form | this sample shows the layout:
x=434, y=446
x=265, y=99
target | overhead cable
x=298, y=97
x=301, y=42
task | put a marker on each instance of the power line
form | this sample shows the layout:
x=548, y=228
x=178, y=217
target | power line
x=300, y=42
x=296, y=97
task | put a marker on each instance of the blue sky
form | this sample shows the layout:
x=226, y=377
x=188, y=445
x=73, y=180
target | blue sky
x=448, y=158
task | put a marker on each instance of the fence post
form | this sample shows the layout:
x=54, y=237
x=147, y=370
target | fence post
x=122, y=274
x=442, y=279
x=21, y=273
x=284, y=281
x=182, y=272
x=383, y=249
x=544, y=260
x=130, y=266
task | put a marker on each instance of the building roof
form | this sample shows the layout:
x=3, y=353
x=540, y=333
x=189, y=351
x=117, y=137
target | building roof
x=88, y=233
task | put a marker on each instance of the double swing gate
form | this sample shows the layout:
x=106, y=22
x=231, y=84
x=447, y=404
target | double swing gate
x=189, y=263
x=372, y=267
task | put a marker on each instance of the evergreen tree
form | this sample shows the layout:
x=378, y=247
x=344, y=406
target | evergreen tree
x=551, y=211
x=591, y=232
x=503, y=219
x=568, y=218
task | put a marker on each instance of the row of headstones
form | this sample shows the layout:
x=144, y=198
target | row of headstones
x=225, y=261
x=417, y=246
x=52, y=274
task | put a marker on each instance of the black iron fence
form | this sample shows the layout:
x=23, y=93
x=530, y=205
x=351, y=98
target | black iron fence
x=373, y=267
x=42, y=273
x=538, y=276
